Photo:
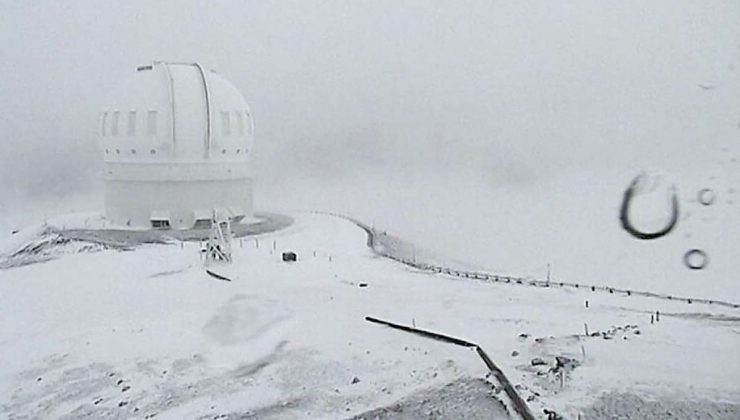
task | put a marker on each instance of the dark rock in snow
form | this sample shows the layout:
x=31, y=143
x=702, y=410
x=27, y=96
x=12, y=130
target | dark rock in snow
x=552, y=415
x=537, y=362
x=562, y=362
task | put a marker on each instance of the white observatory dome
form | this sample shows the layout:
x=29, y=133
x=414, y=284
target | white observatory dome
x=176, y=142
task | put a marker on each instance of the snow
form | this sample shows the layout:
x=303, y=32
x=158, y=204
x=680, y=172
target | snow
x=286, y=339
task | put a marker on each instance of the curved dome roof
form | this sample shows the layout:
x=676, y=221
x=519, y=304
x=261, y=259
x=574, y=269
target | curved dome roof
x=175, y=112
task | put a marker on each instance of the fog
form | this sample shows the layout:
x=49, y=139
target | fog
x=442, y=121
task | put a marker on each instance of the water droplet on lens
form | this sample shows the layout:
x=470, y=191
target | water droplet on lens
x=695, y=259
x=707, y=196
x=649, y=207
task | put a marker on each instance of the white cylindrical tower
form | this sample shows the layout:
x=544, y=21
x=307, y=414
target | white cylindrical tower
x=176, y=142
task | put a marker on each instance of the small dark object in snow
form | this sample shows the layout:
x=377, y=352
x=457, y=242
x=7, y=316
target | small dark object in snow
x=537, y=362
x=523, y=335
x=363, y=284
x=125, y=388
x=355, y=380
x=98, y=401
x=290, y=256
x=637, y=332
x=122, y=403
x=531, y=398
x=120, y=381
x=565, y=362
x=217, y=276
x=552, y=415
x=38, y=379
x=514, y=353
x=110, y=375
x=595, y=334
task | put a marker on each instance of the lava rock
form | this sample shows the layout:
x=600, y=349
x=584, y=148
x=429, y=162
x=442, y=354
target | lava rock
x=537, y=362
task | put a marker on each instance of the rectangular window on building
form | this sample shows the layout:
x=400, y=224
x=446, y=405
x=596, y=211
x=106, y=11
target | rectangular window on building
x=114, y=123
x=239, y=123
x=248, y=123
x=131, y=127
x=103, y=123
x=151, y=123
x=225, y=124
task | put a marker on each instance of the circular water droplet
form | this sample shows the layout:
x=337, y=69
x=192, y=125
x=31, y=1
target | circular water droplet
x=707, y=196
x=649, y=207
x=695, y=259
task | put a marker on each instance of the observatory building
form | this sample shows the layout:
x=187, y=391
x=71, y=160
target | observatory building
x=176, y=142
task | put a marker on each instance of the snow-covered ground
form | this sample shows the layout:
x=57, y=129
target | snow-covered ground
x=131, y=334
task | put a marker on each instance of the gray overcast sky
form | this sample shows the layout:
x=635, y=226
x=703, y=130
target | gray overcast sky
x=510, y=90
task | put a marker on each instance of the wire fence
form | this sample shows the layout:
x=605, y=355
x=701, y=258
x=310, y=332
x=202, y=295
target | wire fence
x=387, y=246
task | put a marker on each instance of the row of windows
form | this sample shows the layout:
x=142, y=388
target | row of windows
x=235, y=122
x=232, y=123
x=110, y=124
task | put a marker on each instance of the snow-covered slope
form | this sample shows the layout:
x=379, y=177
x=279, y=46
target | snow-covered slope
x=131, y=334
